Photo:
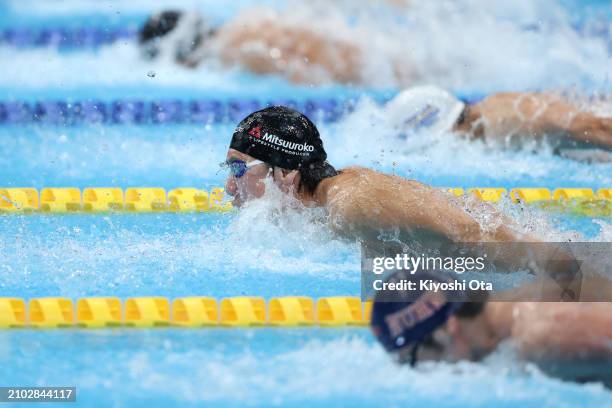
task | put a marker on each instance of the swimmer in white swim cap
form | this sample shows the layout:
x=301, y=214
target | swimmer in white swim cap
x=509, y=119
x=272, y=44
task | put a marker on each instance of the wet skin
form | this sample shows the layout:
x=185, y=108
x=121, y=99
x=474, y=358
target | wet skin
x=251, y=184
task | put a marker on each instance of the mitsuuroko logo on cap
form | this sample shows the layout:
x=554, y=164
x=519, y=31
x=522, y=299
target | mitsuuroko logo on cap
x=278, y=143
x=256, y=132
x=279, y=136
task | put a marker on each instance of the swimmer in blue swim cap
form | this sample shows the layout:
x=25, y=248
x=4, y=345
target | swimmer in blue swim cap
x=509, y=120
x=426, y=325
x=412, y=324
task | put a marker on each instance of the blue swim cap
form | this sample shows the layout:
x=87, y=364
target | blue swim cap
x=403, y=318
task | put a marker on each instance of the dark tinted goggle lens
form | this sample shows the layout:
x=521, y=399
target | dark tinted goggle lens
x=238, y=168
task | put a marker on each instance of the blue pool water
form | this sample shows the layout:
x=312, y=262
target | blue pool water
x=251, y=253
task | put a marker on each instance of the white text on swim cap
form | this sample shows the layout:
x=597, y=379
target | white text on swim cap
x=415, y=313
x=275, y=140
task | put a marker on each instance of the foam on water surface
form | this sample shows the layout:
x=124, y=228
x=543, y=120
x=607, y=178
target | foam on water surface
x=274, y=367
x=454, y=44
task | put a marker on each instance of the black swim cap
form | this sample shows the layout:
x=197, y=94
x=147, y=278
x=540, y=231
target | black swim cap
x=281, y=137
x=407, y=317
x=158, y=25
x=180, y=34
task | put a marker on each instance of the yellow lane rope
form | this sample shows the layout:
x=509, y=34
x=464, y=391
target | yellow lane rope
x=147, y=312
x=580, y=201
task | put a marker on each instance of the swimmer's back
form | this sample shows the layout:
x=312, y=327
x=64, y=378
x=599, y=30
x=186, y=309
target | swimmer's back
x=566, y=331
x=365, y=198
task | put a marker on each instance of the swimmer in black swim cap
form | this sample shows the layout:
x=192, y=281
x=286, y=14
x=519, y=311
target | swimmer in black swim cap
x=363, y=204
x=259, y=40
x=179, y=35
x=428, y=325
x=281, y=142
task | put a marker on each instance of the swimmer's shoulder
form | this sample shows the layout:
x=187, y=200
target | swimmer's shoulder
x=343, y=192
x=358, y=186
x=369, y=180
x=357, y=177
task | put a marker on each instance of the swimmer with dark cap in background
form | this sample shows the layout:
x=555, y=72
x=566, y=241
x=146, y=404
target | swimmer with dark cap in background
x=569, y=340
x=265, y=44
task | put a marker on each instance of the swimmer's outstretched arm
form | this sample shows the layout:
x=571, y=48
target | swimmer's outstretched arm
x=563, y=331
x=361, y=201
x=362, y=197
x=533, y=115
x=268, y=44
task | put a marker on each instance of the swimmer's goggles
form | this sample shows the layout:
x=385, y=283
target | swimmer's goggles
x=431, y=343
x=238, y=168
x=432, y=347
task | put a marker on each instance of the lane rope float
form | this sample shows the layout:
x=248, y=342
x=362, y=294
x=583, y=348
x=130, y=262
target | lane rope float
x=578, y=201
x=160, y=112
x=195, y=311
x=66, y=37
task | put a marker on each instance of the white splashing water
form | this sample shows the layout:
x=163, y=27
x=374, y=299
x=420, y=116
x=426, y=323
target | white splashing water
x=453, y=44
x=345, y=368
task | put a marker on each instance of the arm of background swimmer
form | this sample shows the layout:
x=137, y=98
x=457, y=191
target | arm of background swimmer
x=593, y=288
x=532, y=115
x=267, y=45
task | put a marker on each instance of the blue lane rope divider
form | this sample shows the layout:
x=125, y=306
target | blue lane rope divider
x=170, y=111
x=159, y=112
x=67, y=38
x=95, y=37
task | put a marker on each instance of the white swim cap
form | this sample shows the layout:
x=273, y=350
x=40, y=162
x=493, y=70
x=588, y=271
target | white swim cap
x=424, y=108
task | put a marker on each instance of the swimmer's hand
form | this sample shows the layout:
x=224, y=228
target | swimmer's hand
x=587, y=155
x=288, y=182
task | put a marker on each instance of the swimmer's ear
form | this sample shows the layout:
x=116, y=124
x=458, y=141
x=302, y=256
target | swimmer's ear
x=277, y=174
x=452, y=326
x=287, y=183
x=294, y=178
